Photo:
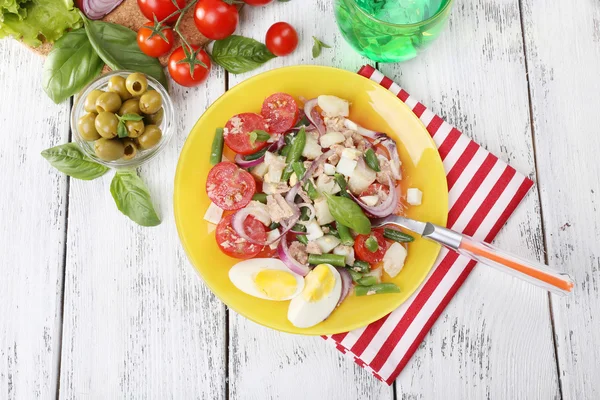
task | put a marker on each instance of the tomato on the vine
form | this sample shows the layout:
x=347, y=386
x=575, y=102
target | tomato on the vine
x=187, y=70
x=216, y=19
x=155, y=45
x=160, y=8
x=282, y=39
x=257, y=2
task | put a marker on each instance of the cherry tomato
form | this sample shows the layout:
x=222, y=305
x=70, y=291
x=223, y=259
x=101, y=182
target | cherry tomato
x=257, y=2
x=363, y=253
x=281, y=39
x=233, y=245
x=160, y=8
x=237, y=133
x=280, y=111
x=180, y=72
x=375, y=189
x=154, y=46
x=230, y=187
x=216, y=19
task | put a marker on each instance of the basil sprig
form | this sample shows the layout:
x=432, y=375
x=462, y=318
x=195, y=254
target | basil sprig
x=69, y=159
x=121, y=128
x=348, y=213
x=238, y=54
x=133, y=199
x=258, y=135
x=318, y=46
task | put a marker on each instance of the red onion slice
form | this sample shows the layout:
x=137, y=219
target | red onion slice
x=275, y=146
x=392, y=148
x=361, y=130
x=384, y=209
x=346, y=284
x=96, y=9
x=314, y=117
x=312, y=214
x=283, y=251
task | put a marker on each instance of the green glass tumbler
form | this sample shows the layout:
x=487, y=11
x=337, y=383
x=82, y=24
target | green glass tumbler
x=384, y=41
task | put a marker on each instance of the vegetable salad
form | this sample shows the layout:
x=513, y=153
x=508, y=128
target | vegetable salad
x=295, y=204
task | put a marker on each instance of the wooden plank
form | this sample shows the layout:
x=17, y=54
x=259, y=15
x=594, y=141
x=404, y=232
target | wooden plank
x=138, y=322
x=265, y=364
x=32, y=205
x=494, y=339
x=564, y=82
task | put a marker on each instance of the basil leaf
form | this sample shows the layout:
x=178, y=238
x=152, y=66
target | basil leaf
x=117, y=46
x=122, y=130
x=69, y=159
x=347, y=212
x=130, y=117
x=239, y=54
x=133, y=199
x=317, y=47
x=71, y=65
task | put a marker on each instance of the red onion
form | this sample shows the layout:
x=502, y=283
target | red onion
x=392, y=148
x=384, y=209
x=362, y=131
x=312, y=214
x=346, y=284
x=283, y=251
x=239, y=160
x=314, y=117
x=96, y=9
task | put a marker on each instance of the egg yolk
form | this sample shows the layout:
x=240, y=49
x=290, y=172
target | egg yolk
x=318, y=283
x=275, y=284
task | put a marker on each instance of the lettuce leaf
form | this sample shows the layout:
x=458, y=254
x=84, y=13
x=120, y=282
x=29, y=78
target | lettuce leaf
x=34, y=21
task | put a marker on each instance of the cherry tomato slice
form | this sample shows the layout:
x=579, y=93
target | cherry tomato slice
x=230, y=187
x=365, y=254
x=375, y=188
x=237, y=133
x=233, y=245
x=280, y=111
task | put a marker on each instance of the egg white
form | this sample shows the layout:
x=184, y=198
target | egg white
x=304, y=314
x=242, y=276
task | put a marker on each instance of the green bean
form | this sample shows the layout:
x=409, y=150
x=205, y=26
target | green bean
x=341, y=181
x=304, y=213
x=262, y=197
x=345, y=235
x=297, y=147
x=299, y=170
x=284, y=151
x=337, y=260
x=372, y=160
x=274, y=225
x=367, y=281
x=380, y=288
x=216, y=151
x=356, y=276
x=397, y=236
x=299, y=228
x=371, y=244
x=302, y=239
x=256, y=156
x=361, y=266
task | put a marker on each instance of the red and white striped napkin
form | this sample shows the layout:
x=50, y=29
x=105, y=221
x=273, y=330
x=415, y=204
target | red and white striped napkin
x=483, y=193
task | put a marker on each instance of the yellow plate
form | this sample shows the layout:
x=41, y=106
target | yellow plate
x=373, y=107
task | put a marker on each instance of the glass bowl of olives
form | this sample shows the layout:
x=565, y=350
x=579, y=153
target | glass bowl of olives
x=123, y=119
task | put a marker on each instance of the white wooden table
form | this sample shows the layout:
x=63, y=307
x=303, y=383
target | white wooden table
x=95, y=307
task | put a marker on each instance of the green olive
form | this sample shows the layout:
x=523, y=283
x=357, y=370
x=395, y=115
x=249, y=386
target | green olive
x=109, y=150
x=134, y=128
x=106, y=124
x=117, y=85
x=150, y=138
x=150, y=102
x=131, y=106
x=86, y=126
x=90, y=101
x=156, y=118
x=136, y=84
x=108, y=101
x=130, y=149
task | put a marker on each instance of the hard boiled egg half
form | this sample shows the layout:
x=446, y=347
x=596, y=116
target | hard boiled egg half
x=266, y=278
x=321, y=293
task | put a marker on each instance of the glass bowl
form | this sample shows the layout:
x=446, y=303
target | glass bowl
x=167, y=125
